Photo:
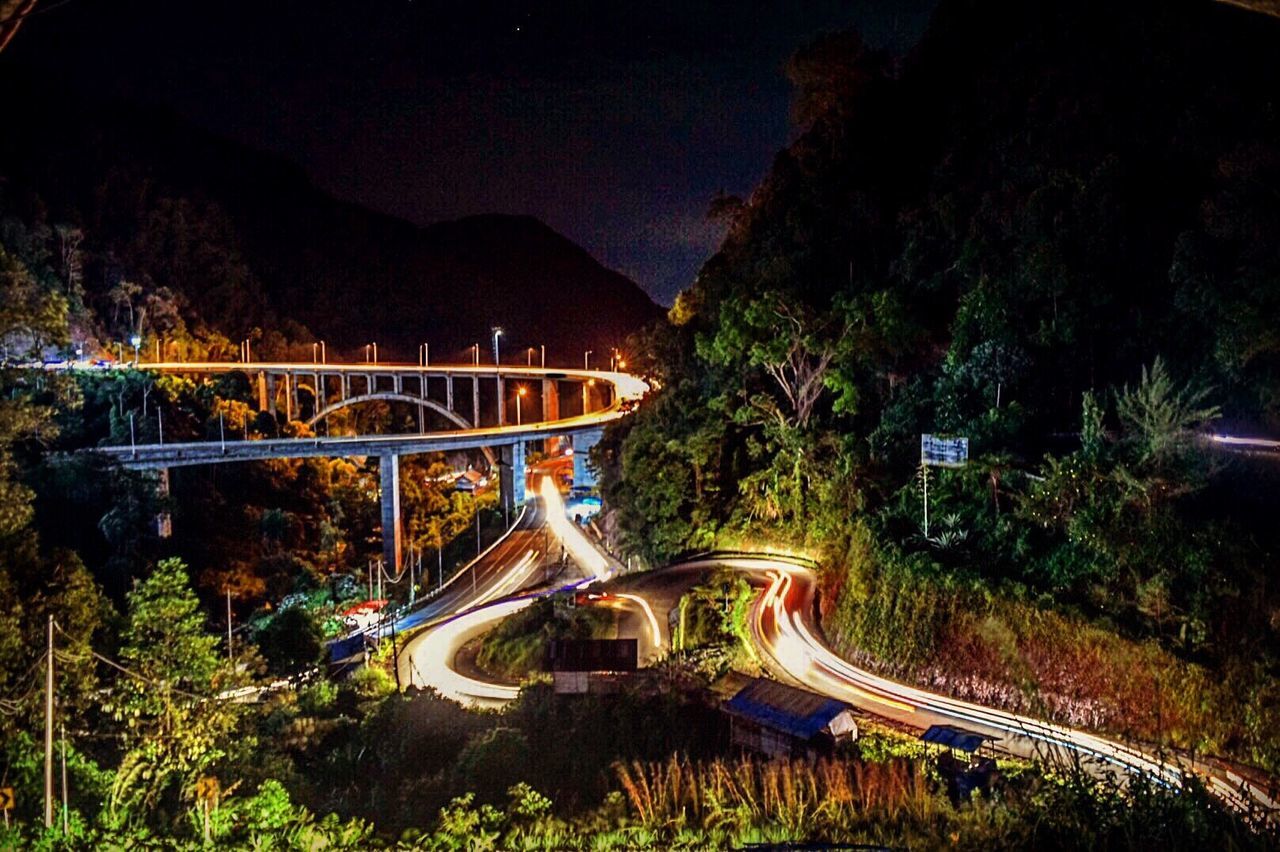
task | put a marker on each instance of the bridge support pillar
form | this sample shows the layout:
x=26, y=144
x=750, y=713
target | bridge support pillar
x=583, y=476
x=164, y=521
x=591, y=397
x=475, y=400
x=448, y=391
x=512, y=476
x=262, y=391
x=502, y=401
x=271, y=394
x=389, y=485
x=550, y=410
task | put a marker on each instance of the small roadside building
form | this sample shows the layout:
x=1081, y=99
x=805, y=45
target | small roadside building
x=961, y=761
x=776, y=720
x=590, y=665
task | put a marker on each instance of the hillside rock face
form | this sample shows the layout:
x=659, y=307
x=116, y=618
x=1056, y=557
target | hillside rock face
x=247, y=241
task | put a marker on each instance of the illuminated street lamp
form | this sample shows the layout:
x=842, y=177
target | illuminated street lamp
x=520, y=393
x=586, y=359
x=528, y=362
x=475, y=353
x=543, y=347
x=497, y=373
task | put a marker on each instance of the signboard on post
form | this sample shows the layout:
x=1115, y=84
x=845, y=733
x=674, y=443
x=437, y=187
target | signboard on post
x=943, y=452
x=6, y=799
x=937, y=451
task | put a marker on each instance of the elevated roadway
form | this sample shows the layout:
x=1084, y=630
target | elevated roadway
x=617, y=392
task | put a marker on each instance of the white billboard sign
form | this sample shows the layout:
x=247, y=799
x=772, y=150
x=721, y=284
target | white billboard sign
x=943, y=452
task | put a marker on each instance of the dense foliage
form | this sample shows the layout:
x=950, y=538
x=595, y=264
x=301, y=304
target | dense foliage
x=1053, y=230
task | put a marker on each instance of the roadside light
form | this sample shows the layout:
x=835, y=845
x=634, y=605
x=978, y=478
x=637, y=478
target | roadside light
x=622, y=365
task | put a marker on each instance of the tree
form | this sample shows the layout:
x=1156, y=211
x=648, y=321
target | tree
x=1161, y=417
x=175, y=726
x=30, y=316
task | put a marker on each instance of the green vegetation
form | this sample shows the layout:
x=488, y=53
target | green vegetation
x=1075, y=269
x=517, y=647
x=1080, y=288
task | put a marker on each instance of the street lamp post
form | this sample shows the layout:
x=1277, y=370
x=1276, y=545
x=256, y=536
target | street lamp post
x=323, y=357
x=475, y=353
x=586, y=359
x=543, y=347
x=497, y=374
x=529, y=357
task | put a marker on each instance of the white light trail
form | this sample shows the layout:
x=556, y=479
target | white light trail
x=573, y=539
x=654, y=629
x=433, y=657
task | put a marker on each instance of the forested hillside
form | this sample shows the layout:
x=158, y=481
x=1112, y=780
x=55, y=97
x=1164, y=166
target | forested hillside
x=238, y=240
x=1053, y=229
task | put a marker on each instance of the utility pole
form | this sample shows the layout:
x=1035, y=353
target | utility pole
x=48, y=730
x=133, y=441
x=222, y=432
x=65, y=808
x=229, y=650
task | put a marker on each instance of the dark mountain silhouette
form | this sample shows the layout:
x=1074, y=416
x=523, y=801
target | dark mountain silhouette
x=248, y=241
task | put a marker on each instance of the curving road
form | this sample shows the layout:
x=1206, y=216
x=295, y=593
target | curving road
x=493, y=587
x=787, y=641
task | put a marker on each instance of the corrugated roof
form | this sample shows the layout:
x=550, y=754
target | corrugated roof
x=784, y=708
x=953, y=737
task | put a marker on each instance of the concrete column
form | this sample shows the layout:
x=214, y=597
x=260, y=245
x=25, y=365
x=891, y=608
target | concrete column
x=397, y=381
x=344, y=386
x=262, y=391
x=502, y=401
x=475, y=400
x=271, y=394
x=448, y=391
x=582, y=444
x=550, y=410
x=290, y=385
x=164, y=521
x=389, y=484
x=512, y=476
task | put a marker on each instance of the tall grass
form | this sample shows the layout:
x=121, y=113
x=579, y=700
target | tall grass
x=797, y=797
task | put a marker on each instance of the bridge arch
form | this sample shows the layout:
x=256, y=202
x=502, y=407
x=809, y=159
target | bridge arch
x=392, y=396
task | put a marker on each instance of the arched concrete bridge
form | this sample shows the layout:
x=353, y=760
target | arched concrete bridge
x=606, y=396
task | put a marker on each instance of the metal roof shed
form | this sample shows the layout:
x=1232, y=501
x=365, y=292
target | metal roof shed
x=782, y=721
x=957, y=738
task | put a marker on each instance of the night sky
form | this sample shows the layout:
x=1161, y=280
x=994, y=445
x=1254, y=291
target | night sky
x=614, y=123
